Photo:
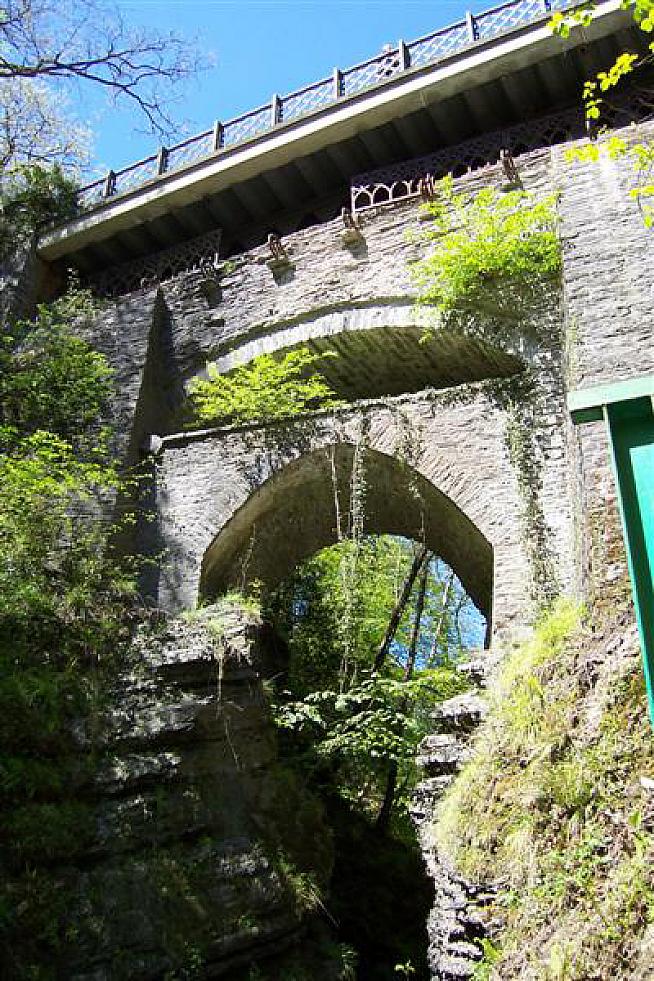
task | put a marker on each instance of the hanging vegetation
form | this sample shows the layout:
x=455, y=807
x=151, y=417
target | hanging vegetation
x=362, y=703
x=269, y=387
x=491, y=238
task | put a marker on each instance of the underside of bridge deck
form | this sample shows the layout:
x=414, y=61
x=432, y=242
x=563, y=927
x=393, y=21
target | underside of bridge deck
x=300, y=174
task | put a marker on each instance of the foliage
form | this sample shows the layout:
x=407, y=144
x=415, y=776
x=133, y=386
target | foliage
x=51, y=378
x=551, y=803
x=302, y=886
x=267, y=388
x=33, y=195
x=486, y=239
x=337, y=715
x=62, y=605
x=375, y=719
x=639, y=158
x=37, y=128
x=484, y=969
x=638, y=155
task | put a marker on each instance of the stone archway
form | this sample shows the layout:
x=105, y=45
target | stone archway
x=214, y=488
x=374, y=350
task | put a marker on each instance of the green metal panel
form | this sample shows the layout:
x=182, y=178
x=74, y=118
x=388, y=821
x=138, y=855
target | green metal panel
x=628, y=409
x=586, y=404
x=631, y=428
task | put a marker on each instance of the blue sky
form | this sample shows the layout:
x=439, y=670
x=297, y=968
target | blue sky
x=258, y=47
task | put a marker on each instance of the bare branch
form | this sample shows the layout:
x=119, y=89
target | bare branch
x=87, y=41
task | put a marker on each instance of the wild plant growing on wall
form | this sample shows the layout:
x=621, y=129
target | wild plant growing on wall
x=62, y=605
x=636, y=153
x=486, y=239
x=267, y=388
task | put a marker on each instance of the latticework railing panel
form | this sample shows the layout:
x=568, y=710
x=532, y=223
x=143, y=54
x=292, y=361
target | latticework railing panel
x=247, y=127
x=405, y=179
x=507, y=18
x=91, y=195
x=371, y=73
x=134, y=176
x=311, y=99
x=430, y=49
x=197, y=148
x=200, y=253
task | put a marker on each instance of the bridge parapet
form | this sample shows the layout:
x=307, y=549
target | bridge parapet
x=342, y=85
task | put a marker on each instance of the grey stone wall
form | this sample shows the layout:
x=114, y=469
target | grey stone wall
x=608, y=291
x=159, y=340
x=518, y=501
x=204, y=483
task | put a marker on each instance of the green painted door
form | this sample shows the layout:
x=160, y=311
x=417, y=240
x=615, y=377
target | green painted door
x=631, y=427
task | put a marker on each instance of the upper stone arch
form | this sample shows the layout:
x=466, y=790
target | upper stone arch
x=386, y=347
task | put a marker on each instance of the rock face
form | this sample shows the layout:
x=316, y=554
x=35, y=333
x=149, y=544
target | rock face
x=456, y=923
x=200, y=836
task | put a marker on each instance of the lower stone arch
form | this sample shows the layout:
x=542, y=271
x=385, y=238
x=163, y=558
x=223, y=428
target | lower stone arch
x=294, y=514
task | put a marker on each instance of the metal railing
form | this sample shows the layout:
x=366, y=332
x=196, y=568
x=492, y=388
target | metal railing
x=341, y=85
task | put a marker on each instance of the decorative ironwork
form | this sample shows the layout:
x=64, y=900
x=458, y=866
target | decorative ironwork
x=199, y=254
x=385, y=66
x=197, y=148
x=509, y=166
x=351, y=234
x=415, y=178
x=276, y=246
x=507, y=18
x=431, y=49
x=134, y=176
x=392, y=62
x=246, y=127
x=91, y=195
x=311, y=99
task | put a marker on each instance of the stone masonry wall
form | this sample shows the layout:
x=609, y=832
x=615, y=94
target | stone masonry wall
x=157, y=340
x=203, y=482
x=608, y=297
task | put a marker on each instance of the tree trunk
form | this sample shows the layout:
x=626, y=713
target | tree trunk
x=420, y=605
x=384, y=816
x=396, y=615
x=441, y=619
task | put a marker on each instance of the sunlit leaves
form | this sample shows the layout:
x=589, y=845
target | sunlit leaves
x=563, y=23
x=378, y=718
x=269, y=387
x=353, y=721
x=486, y=239
x=639, y=158
x=30, y=195
x=53, y=443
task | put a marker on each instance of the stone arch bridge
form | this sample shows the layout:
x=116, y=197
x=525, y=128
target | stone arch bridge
x=468, y=438
x=436, y=406
x=462, y=423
